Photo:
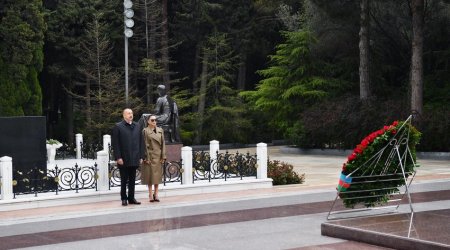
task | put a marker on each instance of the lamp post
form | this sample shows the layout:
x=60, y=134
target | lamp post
x=128, y=24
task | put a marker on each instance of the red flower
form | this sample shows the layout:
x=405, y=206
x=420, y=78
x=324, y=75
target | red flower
x=351, y=157
x=365, y=142
x=395, y=123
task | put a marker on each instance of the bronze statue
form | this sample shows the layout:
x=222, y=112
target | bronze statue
x=162, y=107
x=166, y=112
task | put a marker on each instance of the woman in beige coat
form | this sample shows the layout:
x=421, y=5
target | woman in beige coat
x=155, y=155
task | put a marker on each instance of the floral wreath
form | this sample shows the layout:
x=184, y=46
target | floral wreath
x=379, y=165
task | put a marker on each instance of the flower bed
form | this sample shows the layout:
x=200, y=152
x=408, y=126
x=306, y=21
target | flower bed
x=373, y=170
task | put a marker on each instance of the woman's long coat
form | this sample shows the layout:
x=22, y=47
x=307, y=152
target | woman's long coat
x=155, y=151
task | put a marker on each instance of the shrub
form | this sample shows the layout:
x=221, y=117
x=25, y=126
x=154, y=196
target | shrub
x=283, y=173
x=341, y=123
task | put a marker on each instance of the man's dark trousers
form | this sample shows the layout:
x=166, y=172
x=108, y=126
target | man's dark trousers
x=127, y=174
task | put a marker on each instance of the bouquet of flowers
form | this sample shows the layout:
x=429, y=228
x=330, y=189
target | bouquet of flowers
x=379, y=165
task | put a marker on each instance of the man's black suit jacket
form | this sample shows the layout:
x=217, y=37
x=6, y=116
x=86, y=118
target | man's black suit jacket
x=127, y=143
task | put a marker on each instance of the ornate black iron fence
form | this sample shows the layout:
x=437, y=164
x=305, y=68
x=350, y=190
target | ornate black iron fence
x=172, y=172
x=224, y=166
x=59, y=179
x=110, y=153
x=66, y=151
x=89, y=149
x=114, y=175
x=201, y=166
x=237, y=165
x=77, y=178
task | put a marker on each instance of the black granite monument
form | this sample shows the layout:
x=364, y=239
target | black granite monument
x=23, y=139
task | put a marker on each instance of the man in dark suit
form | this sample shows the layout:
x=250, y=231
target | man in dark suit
x=128, y=150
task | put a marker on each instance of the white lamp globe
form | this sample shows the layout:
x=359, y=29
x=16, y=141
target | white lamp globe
x=128, y=33
x=127, y=4
x=129, y=13
x=129, y=23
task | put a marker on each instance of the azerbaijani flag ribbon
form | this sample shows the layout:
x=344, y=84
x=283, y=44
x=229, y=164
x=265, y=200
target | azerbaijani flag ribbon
x=344, y=182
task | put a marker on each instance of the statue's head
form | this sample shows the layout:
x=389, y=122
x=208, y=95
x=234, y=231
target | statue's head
x=161, y=90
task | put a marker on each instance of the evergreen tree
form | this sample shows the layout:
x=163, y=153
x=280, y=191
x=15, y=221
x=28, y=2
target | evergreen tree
x=22, y=30
x=220, y=112
x=103, y=99
x=295, y=80
x=67, y=22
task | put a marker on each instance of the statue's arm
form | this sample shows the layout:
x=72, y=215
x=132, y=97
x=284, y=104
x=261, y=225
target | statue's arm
x=158, y=106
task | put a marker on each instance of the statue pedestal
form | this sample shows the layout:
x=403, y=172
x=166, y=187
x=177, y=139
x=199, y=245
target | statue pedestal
x=173, y=151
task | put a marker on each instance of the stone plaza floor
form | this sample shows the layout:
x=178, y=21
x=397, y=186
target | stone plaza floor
x=281, y=217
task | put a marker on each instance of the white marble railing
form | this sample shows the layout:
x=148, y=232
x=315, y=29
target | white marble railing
x=102, y=160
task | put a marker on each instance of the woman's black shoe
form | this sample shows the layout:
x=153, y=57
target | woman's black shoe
x=124, y=203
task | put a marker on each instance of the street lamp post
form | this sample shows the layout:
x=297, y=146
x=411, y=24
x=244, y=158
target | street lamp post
x=128, y=24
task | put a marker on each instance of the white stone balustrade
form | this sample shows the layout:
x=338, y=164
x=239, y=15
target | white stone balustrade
x=106, y=142
x=103, y=170
x=78, y=141
x=51, y=152
x=186, y=160
x=6, y=180
x=214, y=147
x=261, y=156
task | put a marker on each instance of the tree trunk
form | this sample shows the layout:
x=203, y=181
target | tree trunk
x=417, y=7
x=364, y=76
x=69, y=118
x=242, y=72
x=165, y=46
x=99, y=73
x=150, y=49
x=202, y=99
x=195, y=74
x=88, y=103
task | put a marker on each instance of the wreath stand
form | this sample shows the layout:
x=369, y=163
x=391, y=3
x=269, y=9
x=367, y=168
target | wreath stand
x=396, y=149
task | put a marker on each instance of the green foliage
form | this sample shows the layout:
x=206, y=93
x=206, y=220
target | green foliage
x=103, y=102
x=283, y=173
x=223, y=118
x=299, y=96
x=341, y=122
x=150, y=66
x=22, y=30
x=295, y=80
x=52, y=141
x=434, y=127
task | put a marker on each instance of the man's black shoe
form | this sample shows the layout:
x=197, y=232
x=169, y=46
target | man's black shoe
x=134, y=201
x=124, y=203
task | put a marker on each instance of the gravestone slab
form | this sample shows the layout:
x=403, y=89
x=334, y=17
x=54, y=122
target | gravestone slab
x=23, y=139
